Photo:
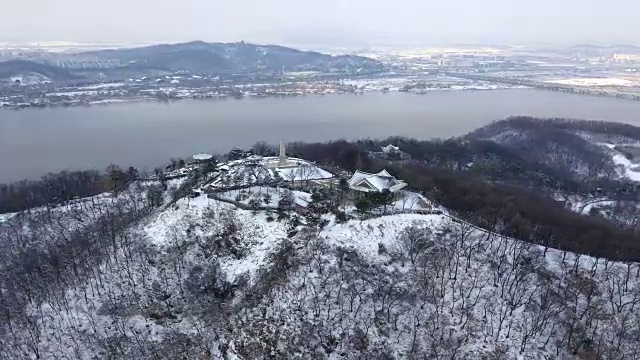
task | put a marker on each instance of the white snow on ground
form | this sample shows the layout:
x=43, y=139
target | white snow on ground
x=433, y=83
x=6, y=217
x=267, y=236
x=410, y=201
x=297, y=169
x=627, y=168
x=491, y=272
x=73, y=93
x=630, y=170
x=71, y=208
x=102, y=86
x=241, y=173
x=257, y=169
x=586, y=209
x=486, y=268
x=364, y=236
x=595, y=82
x=296, y=174
x=261, y=194
x=205, y=217
x=183, y=171
x=107, y=101
x=183, y=214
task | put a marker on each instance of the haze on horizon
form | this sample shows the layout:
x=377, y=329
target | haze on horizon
x=327, y=22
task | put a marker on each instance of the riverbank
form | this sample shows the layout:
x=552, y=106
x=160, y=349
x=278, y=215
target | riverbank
x=610, y=92
x=51, y=95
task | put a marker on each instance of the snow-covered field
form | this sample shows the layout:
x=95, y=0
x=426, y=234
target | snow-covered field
x=264, y=196
x=596, y=82
x=410, y=201
x=626, y=168
x=257, y=169
x=630, y=170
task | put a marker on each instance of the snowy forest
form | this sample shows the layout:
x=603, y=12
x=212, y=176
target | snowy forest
x=151, y=267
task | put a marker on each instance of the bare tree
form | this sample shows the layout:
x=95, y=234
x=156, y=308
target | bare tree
x=413, y=241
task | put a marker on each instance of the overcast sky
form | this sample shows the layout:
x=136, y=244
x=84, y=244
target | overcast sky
x=326, y=22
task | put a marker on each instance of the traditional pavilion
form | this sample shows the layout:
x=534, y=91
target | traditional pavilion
x=365, y=182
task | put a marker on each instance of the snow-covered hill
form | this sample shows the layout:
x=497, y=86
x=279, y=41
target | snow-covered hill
x=29, y=72
x=207, y=58
x=582, y=148
x=112, y=277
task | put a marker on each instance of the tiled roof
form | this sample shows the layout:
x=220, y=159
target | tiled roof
x=363, y=181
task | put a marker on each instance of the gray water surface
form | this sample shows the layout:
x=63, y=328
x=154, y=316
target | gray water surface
x=34, y=142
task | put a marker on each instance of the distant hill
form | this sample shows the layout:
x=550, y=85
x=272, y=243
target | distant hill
x=212, y=58
x=546, y=156
x=195, y=57
x=22, y=69
x=572, y=145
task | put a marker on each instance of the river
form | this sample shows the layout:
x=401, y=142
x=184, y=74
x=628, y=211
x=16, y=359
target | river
x=36, y=141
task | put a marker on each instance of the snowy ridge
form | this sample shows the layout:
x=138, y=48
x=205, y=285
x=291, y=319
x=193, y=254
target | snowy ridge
x=199, y=278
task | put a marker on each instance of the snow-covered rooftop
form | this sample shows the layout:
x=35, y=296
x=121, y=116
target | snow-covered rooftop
x=367, y=182
x=202, y=157
x=390, y=149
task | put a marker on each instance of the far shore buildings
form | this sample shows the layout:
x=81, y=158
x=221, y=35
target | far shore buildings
x=365, y=182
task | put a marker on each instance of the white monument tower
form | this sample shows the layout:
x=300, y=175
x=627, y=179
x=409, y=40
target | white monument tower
x=283, y=156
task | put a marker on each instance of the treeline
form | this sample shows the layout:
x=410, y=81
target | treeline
x=52, y=188
x=339, y=153
x=556, y=143
x=521, y=214
x=510, y=211
x=58, y=188
x=486, y=159
x=529, y=123
x=544, y=161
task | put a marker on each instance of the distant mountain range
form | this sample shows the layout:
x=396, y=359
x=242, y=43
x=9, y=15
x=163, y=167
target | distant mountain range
x=194, y=57
x=18, y=70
